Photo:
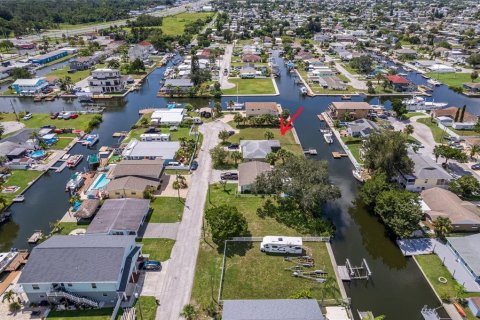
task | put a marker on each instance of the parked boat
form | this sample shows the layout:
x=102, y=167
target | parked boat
x=310, y=151
x=419, y=103
x=91, y=140
x=19, y=198
x=235, y=105
x=434, y=82
x=303, y=90
x=346, y=97
x=74, y=160
x=6, y=258
x=328, y=136
x=76, y=182
x=84, y=97
x=93, y=161
x=357, y=174
x=365, y=315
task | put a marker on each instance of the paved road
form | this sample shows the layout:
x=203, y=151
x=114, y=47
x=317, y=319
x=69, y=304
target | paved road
x=421, y=132
x=227, y=58
x=176, y=287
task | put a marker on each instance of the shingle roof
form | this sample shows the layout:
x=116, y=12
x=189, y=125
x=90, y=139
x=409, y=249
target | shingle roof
x=89, y=258
x=351, y=105
x=130, y=183
x=249, y=171
x=119, y=214
x=469, y=249
x=261, y=105
x=281, y=309
x=138, y=168
x=257, y=149
x=425, y=168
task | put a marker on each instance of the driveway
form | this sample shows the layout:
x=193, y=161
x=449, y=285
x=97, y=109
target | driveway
x=160, y=230
x=227, y=58
x=421, y=132
x=175, y=287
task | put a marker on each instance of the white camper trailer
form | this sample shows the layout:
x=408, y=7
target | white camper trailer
x=279, y=244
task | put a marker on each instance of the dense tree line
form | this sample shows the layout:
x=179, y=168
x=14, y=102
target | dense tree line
x=23, y=16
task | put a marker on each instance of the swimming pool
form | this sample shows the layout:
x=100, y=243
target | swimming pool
x=100, y=182
x=38, y=154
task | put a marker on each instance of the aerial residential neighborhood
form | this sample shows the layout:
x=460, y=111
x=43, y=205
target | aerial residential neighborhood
x=240, y=160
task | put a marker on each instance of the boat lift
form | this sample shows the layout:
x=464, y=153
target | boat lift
x=431, y=314
x=349, y=272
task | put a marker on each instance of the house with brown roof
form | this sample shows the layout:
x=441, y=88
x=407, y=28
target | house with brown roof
x=248, y=57
x=261, y=108
x=472, y=86
x=147, y=169
x=129, y=187
x=400, y=84
x=451, y=112
x=439, y=202
x=355, y=110
x=248, y=173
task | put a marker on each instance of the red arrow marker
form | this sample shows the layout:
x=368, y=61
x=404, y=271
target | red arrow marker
x=285, y=127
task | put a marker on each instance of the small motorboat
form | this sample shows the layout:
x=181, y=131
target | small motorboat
x=19, y=198
x=310, y=151
x=93, y=161
x=76, y=182
x=434, y=82
x=357, y=174
x=346, y=97
x=91, y=140
x=74, y=160
x=303, y=90
x=328, y=136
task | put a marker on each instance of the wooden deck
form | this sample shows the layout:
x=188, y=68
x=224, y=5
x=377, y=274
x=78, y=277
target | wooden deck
x=338, y=155
x=8, y=281
x=20, y=259
x=343, y=273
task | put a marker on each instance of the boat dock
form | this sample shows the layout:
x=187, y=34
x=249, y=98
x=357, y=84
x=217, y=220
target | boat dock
x=310, y=151
x=20, y=259
x=338, y=155
x=35, y=237
x=349, y=272
x=61, y=167
x=120, y=134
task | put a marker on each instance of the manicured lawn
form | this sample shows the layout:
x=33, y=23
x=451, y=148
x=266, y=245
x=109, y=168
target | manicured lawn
x=438, y=134
x=453, y=79
x=63, y=72
x=347, y=67
x=250, y=86
x=433, y=268
x=252, y=274
x=414, y=114
x=62, y=142
x=175, y=25
x=166, y=210
x=149, y=307
x=465, y=132
x=174, y=135
x=39, y=120
x=20, y=178
x=64, y=228
x=158, y=249
x=252, y=133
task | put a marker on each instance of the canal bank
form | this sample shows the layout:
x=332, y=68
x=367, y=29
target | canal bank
x=397, y=287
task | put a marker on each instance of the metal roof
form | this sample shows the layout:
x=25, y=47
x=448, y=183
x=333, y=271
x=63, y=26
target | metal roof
x=165, y=150
x=469, y=249
x=257, y=149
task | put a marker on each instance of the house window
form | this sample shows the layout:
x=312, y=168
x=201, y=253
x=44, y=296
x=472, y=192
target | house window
x=69, y=284
x=35, y=287
x=94, y=286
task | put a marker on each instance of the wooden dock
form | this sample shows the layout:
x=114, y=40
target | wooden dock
x=20, y=259
x=120, y=134
x=338, y=155
x=35, y=237
x=343, y=273
x=8, y=281
x=60, y=168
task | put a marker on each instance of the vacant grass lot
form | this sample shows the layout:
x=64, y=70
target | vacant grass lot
x=414, y=114
x=174, y=135
x=157, y=249
x=451, y=79
x=20, y=178
x=438, y=134
x=355, y=145
x=166, y=210
x=39, y=120
x=250, y=86
x=287, y=141
x=63, y=72
x=62, y=142
x=175, y=25
x=249, y=274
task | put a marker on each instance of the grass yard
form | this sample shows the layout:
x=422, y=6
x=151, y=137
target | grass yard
x=250, y=86
x=62, y=142
x=438, y=134
x=63, y=72
x=453, y=79
x=64, y=228
x=414, y=114
x=166, y=210
x=157, y=249
x=465, y=132
x=39, y=120
x=20, y=178
x=175, y=25
x=252, y=133
x=174, y=135
x=252, y=274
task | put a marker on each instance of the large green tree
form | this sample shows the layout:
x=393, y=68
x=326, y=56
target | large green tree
x=373, y=187
x=448, y=152
x=443, y=226
x=225, y=222
x=465, y=186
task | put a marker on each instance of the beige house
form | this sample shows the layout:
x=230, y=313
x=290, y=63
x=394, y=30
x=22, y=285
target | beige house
x=248, y=172
x=129, y=187
x=261, y=108
x=355, y=110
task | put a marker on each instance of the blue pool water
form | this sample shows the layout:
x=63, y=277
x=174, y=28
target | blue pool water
x=37, y=154
x=101, y=182
x=171, y=105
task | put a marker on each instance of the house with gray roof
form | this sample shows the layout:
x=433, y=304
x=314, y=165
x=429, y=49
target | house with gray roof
x=467, y=250
x=248, y=173
x=172, y=85
x=426, y=174
x=361, y=128
x=151, y=150
x=258, y=149
x=147, y=169
x=272, y=309
x=91, y=270
x=120, y=217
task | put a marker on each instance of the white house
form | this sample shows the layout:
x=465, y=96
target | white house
x=151, y=150
x=106, y=81
x=166, y=116
x=279, y=244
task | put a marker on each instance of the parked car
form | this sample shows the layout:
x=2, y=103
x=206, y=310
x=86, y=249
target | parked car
x=28, y=116
x=152, y=265
x=48, y=126
x=229, y=176
x=54, y=115
x=152, y=130
x=194, y=165
x=74, y=116
x=231, y=133
x=233, y=146
x=476, y=166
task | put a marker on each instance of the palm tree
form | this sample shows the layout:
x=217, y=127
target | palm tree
x=379, y=77
x=9, y=295
x=189, y=312
x=329, y=288
x=223, y=135
x=271, y=158
x=238, y=118
x=268, y=135
x=443, y=226
x=408, y=129
x=474, y=150
x=236, y=156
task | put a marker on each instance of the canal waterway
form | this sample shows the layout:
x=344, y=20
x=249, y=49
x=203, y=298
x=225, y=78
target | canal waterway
x=397, y=287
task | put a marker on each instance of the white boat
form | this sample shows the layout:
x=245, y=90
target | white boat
x=19, y=198
x=76, y=182
x=328, y=136
x=403, y=74
x=90, y=140
x=434, y=82
x=84, y=96
x=419, y=103
x=303, y=90
x=74, y=160
x=310, y=151
x=235, y=105
x=357, y=174
x=6, y=258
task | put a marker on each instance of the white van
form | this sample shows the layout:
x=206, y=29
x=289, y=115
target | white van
x=279, y=244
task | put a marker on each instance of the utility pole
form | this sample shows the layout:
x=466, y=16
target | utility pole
x=14, y=112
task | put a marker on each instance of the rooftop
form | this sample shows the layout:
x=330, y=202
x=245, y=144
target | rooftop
x=164, y=149
x=351, y=105
x=249, y=171
x=469, y=249
x=262, y=105
x=139, y=168
x=257, y=149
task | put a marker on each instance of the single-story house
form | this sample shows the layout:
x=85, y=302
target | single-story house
x=451, y=112
x=356, y=110
x=426, y=174
x=248, y=172
x=248, y=57
x=261, y=108
x=172, y=85
x=400, y=83
x=467, y=250
x=444, y=120
x=120, y=217
x=99, y=268
x=439, y=202
x=152, y=150
x=248, y=73
x=409, y=53
x=17, y=153
x=87, y=209
x=258, y=149
x=130, y=187
x=272, y=309
x=29, y=86
x=166, y=116
x=441, y=68
x=361, y=128
x=464, y=125
x=147, y=169
x=472, y=86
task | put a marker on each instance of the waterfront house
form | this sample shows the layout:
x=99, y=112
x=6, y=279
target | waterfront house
x=408, y=53
x=438, y=202
x=400, y=84
x=93, y=270
x=353, y=110
x=272, y=309
x=151, y=150
x=467, y=251
x=473, y=87
x=451, y=112
x=248, y=172
x=361, y=128
x=106, y=81
x=474, y=306
x=120, y=217
x=258, y=149
x=29, y=86
x=166, y=116
x=426, y=174
x=49, y=57
x=248, y=73
x=172, y=85
x=147, y=169
x=130, y=187
x=83, y=63
x=141, y=51
x=261, y=108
